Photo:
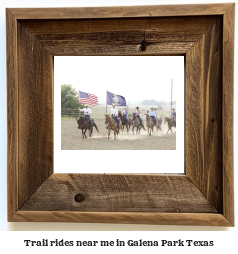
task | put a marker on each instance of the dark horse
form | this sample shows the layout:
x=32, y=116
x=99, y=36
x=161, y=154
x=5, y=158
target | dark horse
x=124, y=122
x=84, y=125
x=137, y=124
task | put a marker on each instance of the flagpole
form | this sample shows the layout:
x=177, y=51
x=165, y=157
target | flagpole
x=79, y=98
x=106, y=102
x=171, y=94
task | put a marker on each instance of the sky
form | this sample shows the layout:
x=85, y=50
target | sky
x=134, y=77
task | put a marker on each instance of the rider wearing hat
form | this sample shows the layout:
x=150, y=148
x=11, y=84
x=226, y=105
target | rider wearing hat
x=125, y=114
x=87, y=112
x=137, y=112
x=114, y=113
x=152, y=114
x=174, y=116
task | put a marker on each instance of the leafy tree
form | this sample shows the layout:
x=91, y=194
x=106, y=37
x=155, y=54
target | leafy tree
x=69, y=97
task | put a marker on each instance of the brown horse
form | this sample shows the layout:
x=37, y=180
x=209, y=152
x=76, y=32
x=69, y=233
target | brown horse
x=150, y=124
x=170, y=123
x=124, y=122
x=112, y=125
x=84, y=125
x=137, y=124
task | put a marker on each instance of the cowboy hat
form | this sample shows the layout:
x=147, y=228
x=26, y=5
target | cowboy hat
x=137, y=107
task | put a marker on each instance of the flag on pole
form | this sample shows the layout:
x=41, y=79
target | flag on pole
x=88, y=98
x=116, y=99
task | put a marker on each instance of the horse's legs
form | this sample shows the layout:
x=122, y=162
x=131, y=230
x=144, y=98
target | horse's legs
x=108, y=133
x=85, y=133
x=133, y=129
x=122, y=129
x=82, y=134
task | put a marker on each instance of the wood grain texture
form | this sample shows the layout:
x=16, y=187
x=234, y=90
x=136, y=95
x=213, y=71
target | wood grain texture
x=35, y=114
x=119, y=36
x=227, y=113
x=192, y=219
x=203, y=119
x=114, y=193
x=12, y=115
x=120, y=11
x=189, y=26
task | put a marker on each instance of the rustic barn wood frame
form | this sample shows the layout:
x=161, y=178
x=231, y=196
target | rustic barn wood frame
x=204, y=34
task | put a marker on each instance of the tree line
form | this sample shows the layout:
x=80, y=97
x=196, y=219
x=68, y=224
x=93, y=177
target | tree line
x=154, y=102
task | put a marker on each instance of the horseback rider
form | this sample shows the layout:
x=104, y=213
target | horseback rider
x=125, y=114
x=152, y=114
x=137, y=112
x=174, y=116
x=87, y=112
x=156, y=116
x=114, y=114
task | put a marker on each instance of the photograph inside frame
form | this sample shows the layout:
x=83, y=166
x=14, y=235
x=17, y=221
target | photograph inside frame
x=132, y=104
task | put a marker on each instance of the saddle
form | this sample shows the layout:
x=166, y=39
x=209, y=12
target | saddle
x=114, y=118
x=88, y=119
x=153, y=119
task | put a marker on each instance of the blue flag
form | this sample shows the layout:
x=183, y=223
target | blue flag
x=118, y=100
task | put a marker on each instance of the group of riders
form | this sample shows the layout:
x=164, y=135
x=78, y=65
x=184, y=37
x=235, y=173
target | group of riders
x=114, y=113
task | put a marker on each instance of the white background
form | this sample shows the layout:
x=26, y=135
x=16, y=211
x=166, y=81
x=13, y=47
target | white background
x=153, y=83
x=13, y=241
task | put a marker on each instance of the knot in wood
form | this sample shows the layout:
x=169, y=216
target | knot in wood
x=79, y=198
x=143, y=45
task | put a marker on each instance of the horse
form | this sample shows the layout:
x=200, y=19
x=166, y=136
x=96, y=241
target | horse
x=170, y=123
x=124, y=122
x=112, y=125
x=84, y=125
x=137, y=124
x=159, y=122
x=150, y=124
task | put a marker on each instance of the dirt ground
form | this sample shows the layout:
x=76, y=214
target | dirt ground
x=71, y=138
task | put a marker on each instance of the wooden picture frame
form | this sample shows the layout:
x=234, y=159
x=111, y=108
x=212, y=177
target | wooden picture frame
x=204, y=34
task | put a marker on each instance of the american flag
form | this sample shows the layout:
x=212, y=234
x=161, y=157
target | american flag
x=88, y=98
